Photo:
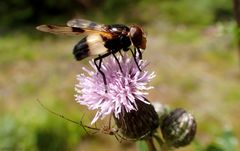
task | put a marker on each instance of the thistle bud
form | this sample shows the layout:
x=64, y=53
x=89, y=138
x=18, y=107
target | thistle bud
x=140, y=123
x=178, y=128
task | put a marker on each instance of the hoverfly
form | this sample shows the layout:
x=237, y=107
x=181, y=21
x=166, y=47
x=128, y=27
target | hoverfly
x=102, y=40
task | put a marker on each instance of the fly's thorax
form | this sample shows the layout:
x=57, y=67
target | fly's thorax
x=118, y=29
x=117, y=43
x=120, y=38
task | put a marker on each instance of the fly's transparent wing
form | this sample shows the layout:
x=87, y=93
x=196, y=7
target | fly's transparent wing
x=60, y=30
x=86, y=24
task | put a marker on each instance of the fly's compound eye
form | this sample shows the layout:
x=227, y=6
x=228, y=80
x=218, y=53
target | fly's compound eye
x=137, y=37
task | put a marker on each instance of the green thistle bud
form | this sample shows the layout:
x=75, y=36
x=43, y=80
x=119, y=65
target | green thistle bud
x=178, y=128
x=140, y=123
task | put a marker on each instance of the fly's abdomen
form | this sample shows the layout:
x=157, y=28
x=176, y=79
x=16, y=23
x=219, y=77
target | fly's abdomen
x=81, y=49
x=88, y=46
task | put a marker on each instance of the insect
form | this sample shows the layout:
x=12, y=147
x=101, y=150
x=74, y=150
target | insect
x=102, y=40
x=107, y=130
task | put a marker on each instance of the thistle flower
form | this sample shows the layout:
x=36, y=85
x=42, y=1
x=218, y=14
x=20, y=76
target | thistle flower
x=125, y=88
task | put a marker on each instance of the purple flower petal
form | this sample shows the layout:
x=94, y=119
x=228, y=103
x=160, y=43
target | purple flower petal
x=124, y=88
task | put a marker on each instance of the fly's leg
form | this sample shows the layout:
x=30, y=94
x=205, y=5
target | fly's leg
x=117, y=62
x=120, y=52
x=134, y=57
x=100, y=57
x=100, y=71
x=139, y=52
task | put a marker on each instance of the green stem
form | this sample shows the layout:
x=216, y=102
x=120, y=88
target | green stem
x=150, y=145
x=163, y=146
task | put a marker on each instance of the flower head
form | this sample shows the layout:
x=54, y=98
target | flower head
x=123, y=88
x=179, y=128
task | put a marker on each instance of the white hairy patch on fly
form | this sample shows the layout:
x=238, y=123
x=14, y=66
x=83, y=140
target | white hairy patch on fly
x=96, y=44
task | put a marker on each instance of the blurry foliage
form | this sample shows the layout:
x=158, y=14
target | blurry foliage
x=14, y=135
x=22, y=12
x=196, y=12
x=226, y=141
x=49, y=139
x=179, y=11
x=116, y=9
x=52, y=136
x=142, y=146
x=8, y=49
x=230, y=29
x=45, y=133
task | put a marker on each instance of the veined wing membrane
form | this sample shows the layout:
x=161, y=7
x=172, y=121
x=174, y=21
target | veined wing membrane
x=89, y=26
x=60, y=30
x=63, y=30
x=86, y=24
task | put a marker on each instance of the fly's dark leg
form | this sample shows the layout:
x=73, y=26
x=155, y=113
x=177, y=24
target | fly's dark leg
x=100, y=71
x=139, y=52
x=100, y=57
x=134, y=57
x=120, y=52
x=135, y=52
x=117, y=62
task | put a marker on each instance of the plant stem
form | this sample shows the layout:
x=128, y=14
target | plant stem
x=236, y=11
x=164, y=147
x=150, y=144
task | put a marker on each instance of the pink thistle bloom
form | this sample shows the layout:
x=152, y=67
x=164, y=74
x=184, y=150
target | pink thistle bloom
x=123, y=88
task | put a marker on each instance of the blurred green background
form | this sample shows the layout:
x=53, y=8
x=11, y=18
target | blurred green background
x=190, y=46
